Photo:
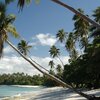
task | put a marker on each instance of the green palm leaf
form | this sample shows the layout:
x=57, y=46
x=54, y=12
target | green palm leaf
x=8, y=1
x=61, y=35
x=11, y=29
x=24, y=47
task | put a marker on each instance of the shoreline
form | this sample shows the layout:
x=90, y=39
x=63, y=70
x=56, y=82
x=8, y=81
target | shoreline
x=54, y=93
x=22, y=85
x=28, y=96
x=29, y=86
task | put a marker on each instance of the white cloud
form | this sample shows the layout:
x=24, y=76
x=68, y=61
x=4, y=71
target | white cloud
x=8, y=50
x=65, y=59
x=15, y=64
x=33, y=44
x=46, y=39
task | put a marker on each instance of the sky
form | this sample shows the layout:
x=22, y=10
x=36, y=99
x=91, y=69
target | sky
x=39, y=24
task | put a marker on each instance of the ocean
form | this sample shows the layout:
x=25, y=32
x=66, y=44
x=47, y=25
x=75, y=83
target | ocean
x=11, y=90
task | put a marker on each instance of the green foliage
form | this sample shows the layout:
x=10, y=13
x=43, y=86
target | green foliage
x=21, y=3
x=8, y=1
x=49, y=82
x=24, y=79
x=70, y=43
x=6, y=26
x=2, y=13
x=54, y=52
x=24, y=47
x=81, y=29
x=96, y=15
x=20, y=79
x=86, y=69
x=61, y=35
x=59, y=71
x=51, y=64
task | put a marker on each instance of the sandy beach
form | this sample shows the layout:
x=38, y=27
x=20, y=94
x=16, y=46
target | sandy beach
x=55, y=93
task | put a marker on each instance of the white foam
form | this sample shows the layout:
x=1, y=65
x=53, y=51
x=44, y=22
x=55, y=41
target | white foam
x=25, y=86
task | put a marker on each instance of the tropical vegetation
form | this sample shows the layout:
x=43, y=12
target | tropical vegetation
x=83, y=68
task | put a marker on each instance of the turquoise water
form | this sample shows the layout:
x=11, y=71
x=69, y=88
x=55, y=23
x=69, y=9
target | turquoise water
x=7, y=91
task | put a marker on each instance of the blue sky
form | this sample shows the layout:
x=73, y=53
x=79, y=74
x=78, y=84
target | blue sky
x=40, y=23
x=47, y=17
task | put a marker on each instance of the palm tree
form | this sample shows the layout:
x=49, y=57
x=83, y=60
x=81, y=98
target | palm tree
x=5, y=26
x=51, y=64
x=96, y=15
x=21, y=4
x=59, y=70
x=8, y=1
x=51, y=76
x=24, y=47
x=61, y=35
x=81, y=29
x=73, y=55
x=77, y=13
x=54, y=52
x=70, y=43
x=3, y=36
x=95, y=33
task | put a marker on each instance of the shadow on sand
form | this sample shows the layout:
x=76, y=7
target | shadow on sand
x=58, y=95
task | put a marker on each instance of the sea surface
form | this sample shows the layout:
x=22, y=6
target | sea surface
x=12, y=90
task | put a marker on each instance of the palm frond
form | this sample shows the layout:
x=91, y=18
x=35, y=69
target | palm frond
x=54, y=51
x=28, y=1
x=2, y=13
x=61, y=35
x=11, y=29
x=21, y=3
x=8, y=1
x=97, y=15
x=95, y=33
x=37, y=1
x=10, y=18
x=24, y=47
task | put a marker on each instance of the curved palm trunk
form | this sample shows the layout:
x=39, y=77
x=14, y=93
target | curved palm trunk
x=28, y=60
x=51, y=76
x=44, y=68
x=78, y=13
x=61, y=61
x=39, y=65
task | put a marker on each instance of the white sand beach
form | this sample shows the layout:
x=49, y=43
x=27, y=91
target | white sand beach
x=59, y=93
x=55, y=93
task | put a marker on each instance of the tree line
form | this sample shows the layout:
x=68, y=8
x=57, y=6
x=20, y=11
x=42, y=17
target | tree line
x=20, y=79
x=25, y=79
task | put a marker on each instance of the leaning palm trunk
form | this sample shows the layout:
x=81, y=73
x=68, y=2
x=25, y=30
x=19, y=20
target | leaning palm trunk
x=61, y=61
x=39, y=64
x=77, y=12
x=21, y=3
x=51, y=76
x=43, y=68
